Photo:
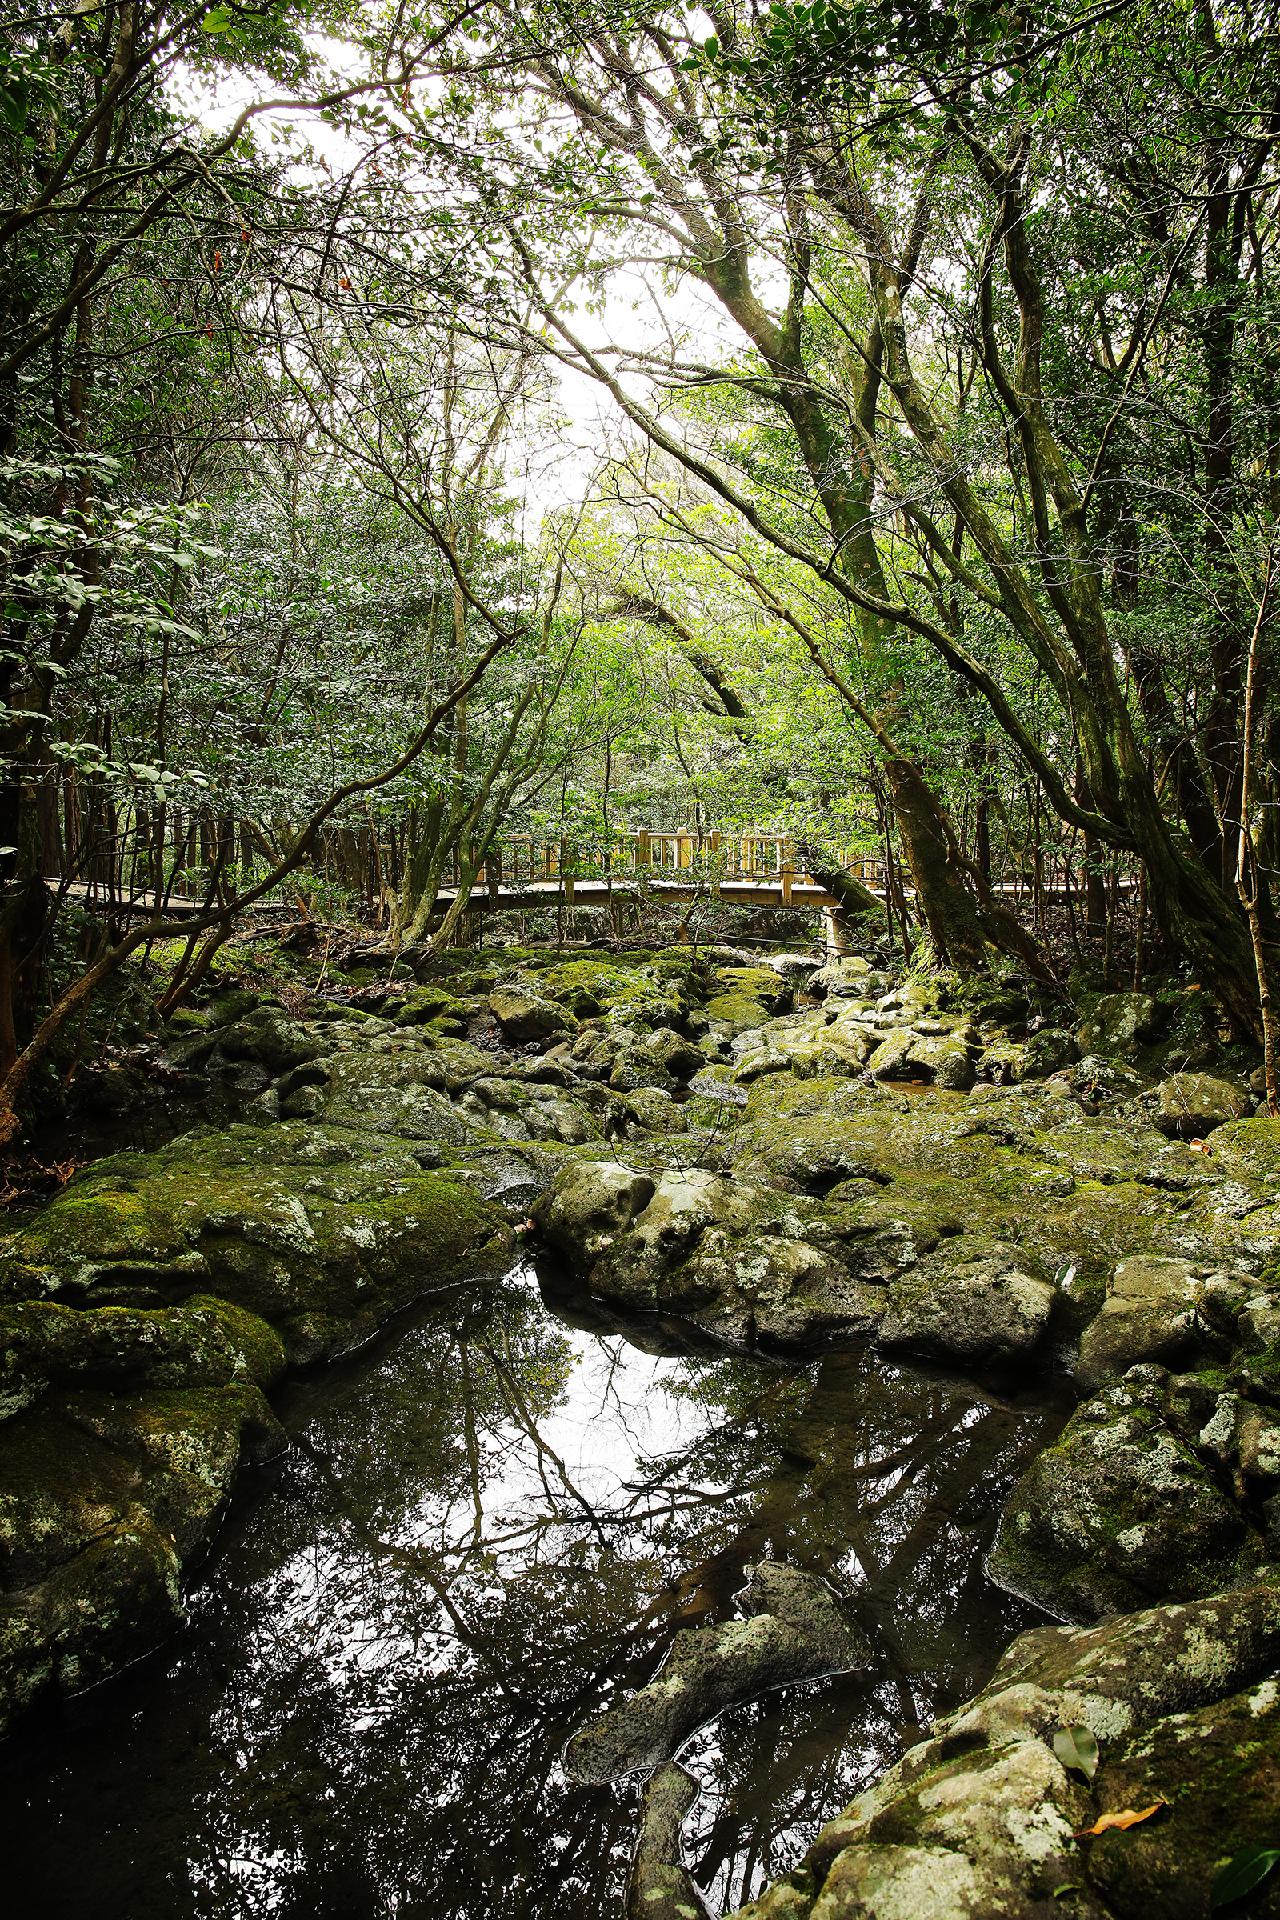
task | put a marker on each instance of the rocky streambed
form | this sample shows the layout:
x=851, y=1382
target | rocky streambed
x=826, y=1260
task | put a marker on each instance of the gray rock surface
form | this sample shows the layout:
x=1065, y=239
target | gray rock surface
x=1118, y=1024
x=979, y=1306
x=982, y=1819
x=1128, y=1506
x=1190, y=1105
x=524, y=1016
x=1149, y=1314
x=660, y=1886
x=794, y=1630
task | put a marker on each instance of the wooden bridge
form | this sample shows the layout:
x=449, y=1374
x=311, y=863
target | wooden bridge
x=525, y=873
x=754, y=870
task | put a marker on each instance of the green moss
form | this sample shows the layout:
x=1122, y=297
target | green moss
x=593, y=986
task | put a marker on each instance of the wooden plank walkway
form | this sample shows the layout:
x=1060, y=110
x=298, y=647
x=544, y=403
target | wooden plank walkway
x=490, y=896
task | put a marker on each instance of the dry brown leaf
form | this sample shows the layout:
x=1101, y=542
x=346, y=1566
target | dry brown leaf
x=1129, y=1818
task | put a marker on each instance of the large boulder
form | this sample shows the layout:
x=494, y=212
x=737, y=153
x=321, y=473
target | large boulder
x=520, y=1109
x=1119, y=1024
x=728, y=1255
x=745, y=997
x=271, y=1039
x=944, y=1059
x=1149, y=1314
x=973, y=1304
x=1127, y=1508
x=525, y=1016
x=843, y=976
x=142, y=1315
x=320, y=1231
x=986, y=1818
x=1189, y=1105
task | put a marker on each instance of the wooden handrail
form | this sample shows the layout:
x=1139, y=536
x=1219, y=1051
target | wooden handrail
x=749, y=856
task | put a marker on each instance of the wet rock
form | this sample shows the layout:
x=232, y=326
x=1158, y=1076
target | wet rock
x=204, y=1342
x=1123, y=1510
x=319, y=1231
x=975, y=1305
x=1149, y=1314
x=797, y=968
x=142, y=1313
x=1190, y=1105
x=660, y=1886
x=848, y=974
x=1048, y=1051
x=794, y=1630
x=269, y=1038
x=590, y=1205
x=104, y=1495
x=980, y=1818
x=730, y=1256
x=523, y=1016
x=1118, y=1024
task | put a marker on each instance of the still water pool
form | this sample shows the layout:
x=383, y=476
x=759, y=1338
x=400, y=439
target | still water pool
x=485, y=1526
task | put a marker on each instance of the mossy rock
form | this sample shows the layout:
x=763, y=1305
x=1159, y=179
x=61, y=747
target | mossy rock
x=1119, y=1512
x=982, y=1818
x=204, y=1342
x=320, y=1231
x=595, y=984
x=1249, y=1150
x=402, y=1092
x=1218, y=1771
x=103, y=1495
x=746, y=997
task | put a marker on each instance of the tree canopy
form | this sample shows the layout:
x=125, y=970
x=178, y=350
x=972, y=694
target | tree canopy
x=855, y=422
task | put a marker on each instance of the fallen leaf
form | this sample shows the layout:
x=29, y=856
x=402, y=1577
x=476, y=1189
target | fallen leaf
x=1076, y=1747
x=1129, y=1818
x=1243, y=1872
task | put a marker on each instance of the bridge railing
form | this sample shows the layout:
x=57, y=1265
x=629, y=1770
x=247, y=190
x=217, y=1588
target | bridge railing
x=655, y=854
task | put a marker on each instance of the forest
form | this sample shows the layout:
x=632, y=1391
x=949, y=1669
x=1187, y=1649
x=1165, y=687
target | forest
x=640, y=958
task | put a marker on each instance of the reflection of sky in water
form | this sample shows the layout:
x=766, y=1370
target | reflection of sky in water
x=481, y=1532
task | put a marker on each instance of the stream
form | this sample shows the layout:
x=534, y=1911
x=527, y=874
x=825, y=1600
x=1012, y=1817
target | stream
x=487, y=1523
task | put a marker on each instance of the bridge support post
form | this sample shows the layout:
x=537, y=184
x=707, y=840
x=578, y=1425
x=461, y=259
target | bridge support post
x=834, y=937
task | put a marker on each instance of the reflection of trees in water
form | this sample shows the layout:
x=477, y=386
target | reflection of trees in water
x=472, y=1545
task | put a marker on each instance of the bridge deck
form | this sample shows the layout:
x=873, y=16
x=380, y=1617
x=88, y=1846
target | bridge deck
x=528, y=895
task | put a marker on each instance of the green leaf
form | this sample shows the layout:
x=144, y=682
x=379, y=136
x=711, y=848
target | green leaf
x=217, y=20
x=13, y=104
x=1076, y=1747
x=1243, y=1871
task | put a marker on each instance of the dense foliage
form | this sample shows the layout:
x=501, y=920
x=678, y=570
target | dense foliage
x=858, y=421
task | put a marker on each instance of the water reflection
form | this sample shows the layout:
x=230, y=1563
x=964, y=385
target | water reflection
x=480, y=1532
